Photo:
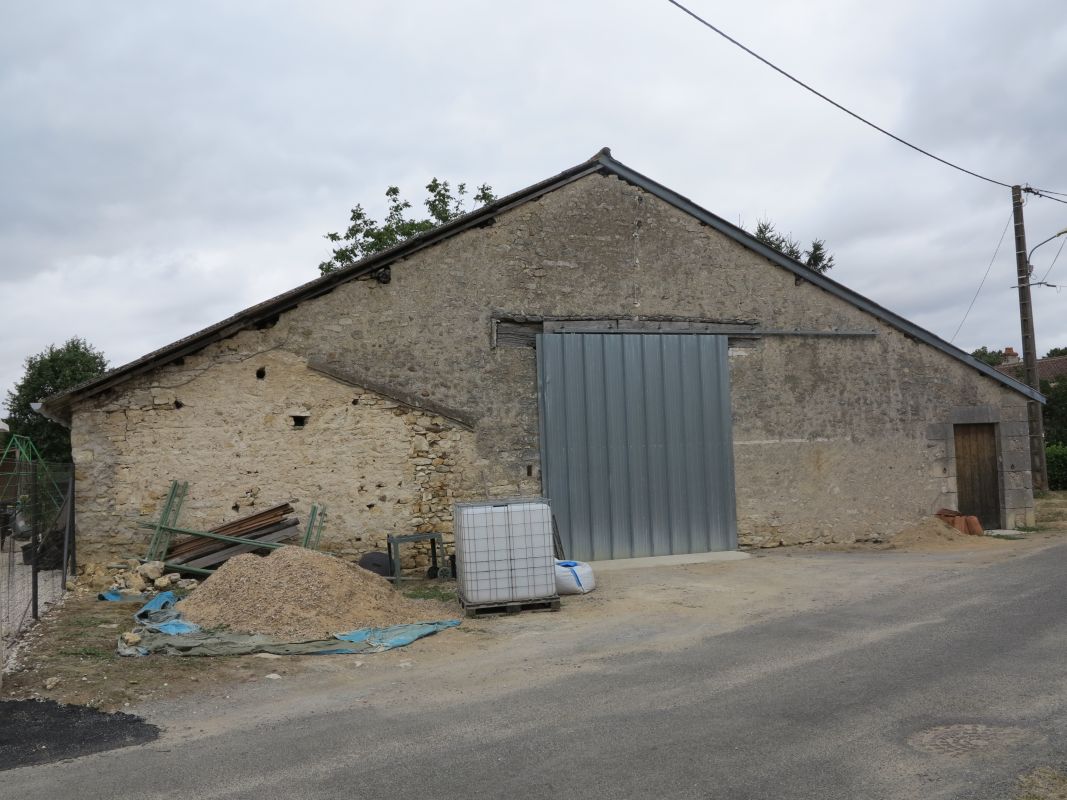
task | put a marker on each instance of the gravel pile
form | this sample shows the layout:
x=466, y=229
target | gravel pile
x=299, y=594
x=933, y=534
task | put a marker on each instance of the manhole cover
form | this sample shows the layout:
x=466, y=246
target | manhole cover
x=961, y=740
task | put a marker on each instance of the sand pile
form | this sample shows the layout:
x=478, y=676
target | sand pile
x=933, y=534
x=299, y=594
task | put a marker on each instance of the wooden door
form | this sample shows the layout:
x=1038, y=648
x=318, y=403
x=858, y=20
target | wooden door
x=977, y=476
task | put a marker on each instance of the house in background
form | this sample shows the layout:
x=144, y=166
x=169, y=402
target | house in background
x=1053, y=369
x=671, y=384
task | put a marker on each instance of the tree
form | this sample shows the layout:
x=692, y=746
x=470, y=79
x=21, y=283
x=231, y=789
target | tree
x=51, y=371
x=365, y=236
x=991, y=357
x=1054, y=413
x=1056, y=351
x=816, y=258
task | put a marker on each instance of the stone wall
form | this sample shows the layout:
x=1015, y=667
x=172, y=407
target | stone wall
x=249, y=428
x=832, y=434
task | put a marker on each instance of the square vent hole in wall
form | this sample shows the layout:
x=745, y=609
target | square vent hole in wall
x=299, y=420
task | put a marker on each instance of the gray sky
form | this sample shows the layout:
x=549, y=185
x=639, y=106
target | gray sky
x=165, y=165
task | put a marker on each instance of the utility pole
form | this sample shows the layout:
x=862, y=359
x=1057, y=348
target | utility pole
x=1026, y=320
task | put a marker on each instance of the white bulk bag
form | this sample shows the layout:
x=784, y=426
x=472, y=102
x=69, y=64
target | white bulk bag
x=574, y=577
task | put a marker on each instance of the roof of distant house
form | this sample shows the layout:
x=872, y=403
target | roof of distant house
x=1048, y=369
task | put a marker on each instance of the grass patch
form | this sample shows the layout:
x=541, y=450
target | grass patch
x=1028, y=528
x=87, y=622
x=432, y=591
x=1043, y=783
x=86, y=652
x=1009, y=536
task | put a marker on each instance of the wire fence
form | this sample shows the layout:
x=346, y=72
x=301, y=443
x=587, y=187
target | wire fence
x=36, y=541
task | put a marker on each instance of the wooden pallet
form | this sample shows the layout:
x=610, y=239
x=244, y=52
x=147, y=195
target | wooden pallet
x=514, y=607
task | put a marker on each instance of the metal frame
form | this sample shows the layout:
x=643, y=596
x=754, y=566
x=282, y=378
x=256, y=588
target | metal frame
x=316, y=523
x=392, y=545
x=160, y=541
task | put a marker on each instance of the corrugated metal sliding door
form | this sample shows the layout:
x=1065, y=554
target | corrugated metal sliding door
x=636, y=447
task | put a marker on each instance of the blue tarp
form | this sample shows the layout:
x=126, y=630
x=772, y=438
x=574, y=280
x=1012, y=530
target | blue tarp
x=379, y=639
x=115, y=596
x=163, y=630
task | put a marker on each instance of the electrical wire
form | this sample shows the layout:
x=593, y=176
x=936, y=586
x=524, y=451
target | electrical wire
x=848, y=111
x=978, y=291
x=1045, y=194
x=1054, y=260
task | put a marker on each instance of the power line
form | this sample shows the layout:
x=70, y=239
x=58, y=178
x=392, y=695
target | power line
x=1044, y=193
x=848, y=111
x=1054, y=260
x=980, y=285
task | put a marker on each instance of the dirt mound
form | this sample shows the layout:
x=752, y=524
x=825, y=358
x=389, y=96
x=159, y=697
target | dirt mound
x=299, y=594
x=933, y=534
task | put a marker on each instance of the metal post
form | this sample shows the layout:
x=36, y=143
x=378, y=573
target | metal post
x=1038, y=467
x=68, y=532
x=73, y=526
x=35, y=539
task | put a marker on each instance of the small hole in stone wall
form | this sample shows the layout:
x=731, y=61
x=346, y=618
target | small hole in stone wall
x=236, y=506
x=179, y=404
x=529, y=470
x=370, y=505
x=261, y=373
x=299, y=421
x=355, y=401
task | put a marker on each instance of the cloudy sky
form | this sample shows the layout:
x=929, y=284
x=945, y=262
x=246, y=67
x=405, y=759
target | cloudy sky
x=163, y=165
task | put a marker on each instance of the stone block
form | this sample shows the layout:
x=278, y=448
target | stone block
x=943, y=467
x=939, y=431
x=1018, y=498
x=970, y=415
x=1014, y=428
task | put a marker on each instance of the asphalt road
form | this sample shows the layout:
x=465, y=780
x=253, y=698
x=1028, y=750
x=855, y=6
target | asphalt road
x=949, y=689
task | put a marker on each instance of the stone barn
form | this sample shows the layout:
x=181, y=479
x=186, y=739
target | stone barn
x=668, y=382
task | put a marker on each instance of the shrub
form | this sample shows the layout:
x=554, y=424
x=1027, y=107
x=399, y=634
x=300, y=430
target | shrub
x=1056, y=457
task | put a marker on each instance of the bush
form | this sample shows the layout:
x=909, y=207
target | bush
x=1056, y=457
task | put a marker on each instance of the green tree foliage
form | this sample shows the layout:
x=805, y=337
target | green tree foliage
x=991, y=357
x=49, y=372
x=1055, y=411
x=1056, y=351
x=1056, y=460
x=365, y=236
x=816, y=258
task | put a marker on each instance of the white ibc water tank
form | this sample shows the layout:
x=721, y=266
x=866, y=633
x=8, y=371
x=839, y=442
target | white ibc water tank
x=504, y=551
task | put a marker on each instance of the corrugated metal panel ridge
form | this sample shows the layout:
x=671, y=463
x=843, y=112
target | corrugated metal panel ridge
x=636, y=443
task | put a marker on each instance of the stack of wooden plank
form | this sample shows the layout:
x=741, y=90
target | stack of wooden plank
x=262, y=528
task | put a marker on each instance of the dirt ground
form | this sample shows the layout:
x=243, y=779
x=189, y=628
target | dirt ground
x=70, y=656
